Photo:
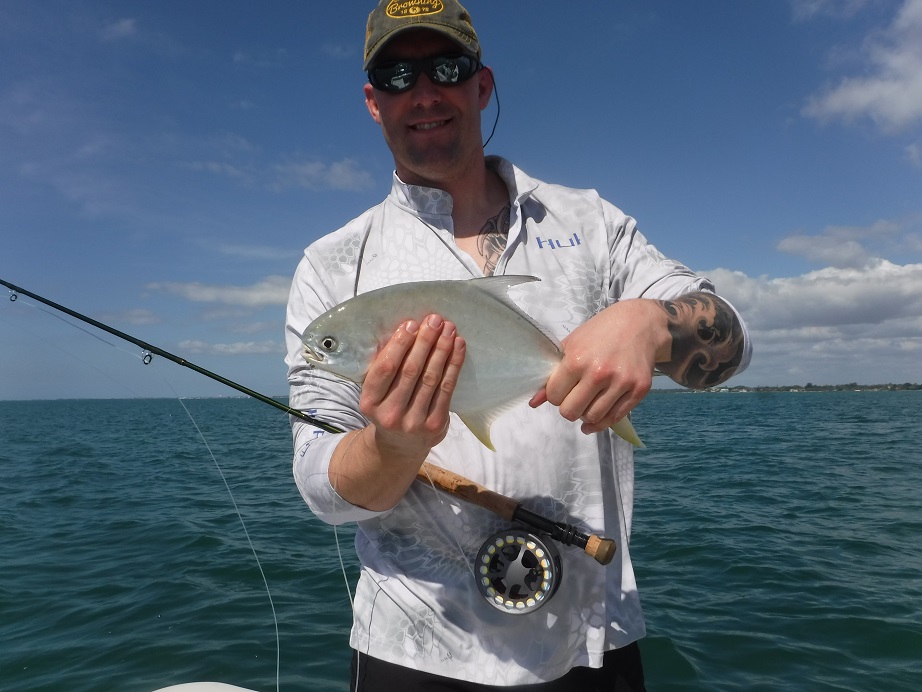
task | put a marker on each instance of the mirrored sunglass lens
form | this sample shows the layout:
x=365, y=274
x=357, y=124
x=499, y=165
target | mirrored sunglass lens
x=400, y=76
x=396, y=77
x=447, y=70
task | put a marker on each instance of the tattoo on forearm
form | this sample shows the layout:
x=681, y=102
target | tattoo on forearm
x=491, y=243
x=707, y=340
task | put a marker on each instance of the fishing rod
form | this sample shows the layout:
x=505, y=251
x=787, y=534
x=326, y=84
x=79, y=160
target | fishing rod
x=151, y=351
x=602, y=550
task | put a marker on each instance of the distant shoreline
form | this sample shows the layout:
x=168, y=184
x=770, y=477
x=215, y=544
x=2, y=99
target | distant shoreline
x=737, y=389
x=852, y=387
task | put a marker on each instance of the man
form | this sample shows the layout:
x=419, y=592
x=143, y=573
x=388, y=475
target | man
x=622, y=309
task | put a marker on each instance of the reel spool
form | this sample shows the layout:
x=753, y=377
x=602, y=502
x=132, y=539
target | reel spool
x=517, y=572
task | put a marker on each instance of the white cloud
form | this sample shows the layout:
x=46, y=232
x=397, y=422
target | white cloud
x=261, y=58
x=257, y=252
x=92, y=190
x=234, y=157
x=137, y=317
x=217, y=168
x=868, y=296
x=256, y=327
x=338, y=51
x=119, y=29
x=834, y=325
x=890, y=92
x=229, y=143
x=273, y=290
x=219, y=151
x=914, y=153
x=808, y=9
x=826, y=249
x=238, y=348
x=856, y=246
x=317, y=175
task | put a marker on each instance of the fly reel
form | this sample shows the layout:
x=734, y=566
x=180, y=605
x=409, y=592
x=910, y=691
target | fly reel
x=517, y=572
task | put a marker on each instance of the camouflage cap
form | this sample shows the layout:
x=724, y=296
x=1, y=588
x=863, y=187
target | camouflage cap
x=392, y=17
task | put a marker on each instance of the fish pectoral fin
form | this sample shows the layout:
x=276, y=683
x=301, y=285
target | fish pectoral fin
x=479, y=423
x=625, y=430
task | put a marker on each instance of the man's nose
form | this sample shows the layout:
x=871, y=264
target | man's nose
x=425, y=91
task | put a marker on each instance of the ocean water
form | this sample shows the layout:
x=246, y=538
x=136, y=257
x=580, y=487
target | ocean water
x=777, y=543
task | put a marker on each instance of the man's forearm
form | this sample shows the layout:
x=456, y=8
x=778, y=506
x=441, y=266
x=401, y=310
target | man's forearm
x=707, y=340
x=364, y=476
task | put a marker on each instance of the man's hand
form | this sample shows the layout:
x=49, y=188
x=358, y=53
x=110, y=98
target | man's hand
x=405, y=396
x=607, y=365
x=608, y=362
x=408, y=387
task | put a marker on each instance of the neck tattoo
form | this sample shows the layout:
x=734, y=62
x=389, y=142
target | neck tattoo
x=491, y=241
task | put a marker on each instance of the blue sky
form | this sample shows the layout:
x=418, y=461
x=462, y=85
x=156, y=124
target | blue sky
x=162, y=166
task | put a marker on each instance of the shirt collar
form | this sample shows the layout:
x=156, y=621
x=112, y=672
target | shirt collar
x=430, y=201
x=425, y=201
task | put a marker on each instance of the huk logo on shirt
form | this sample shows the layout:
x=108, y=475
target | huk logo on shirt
x=413, y=8
x=554, y=244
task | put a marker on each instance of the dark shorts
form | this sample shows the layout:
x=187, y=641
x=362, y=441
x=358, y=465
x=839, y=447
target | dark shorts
x=621, y=671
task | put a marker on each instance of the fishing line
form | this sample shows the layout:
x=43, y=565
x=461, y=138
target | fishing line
x=13, y=298
x=145, y=358
x=150, y=351
x=339, y=553
x=599, y=548
x=454, y=534
x=46, y=342
x=342, y=567
x=275, y=620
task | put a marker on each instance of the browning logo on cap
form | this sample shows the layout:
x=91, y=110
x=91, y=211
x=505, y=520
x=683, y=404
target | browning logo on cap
x=391, y=17
x=414, y=8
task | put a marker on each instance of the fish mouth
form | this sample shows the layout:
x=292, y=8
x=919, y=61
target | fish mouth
x=311, y=355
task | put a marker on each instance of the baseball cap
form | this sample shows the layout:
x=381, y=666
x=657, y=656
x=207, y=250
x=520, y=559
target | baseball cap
x=392, y=17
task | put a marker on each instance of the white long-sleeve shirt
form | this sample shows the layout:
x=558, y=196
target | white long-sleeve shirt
x=417, y=603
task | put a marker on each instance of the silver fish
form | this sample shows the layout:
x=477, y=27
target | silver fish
x=509, y=357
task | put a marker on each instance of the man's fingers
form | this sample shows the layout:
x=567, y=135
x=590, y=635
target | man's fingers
x=608, y=408
x=539, y=398
x=578, y=400
x=560, y=384
x=430, y=378
x=386, y=367
x=408, y=387
x=415, y=363
x=441, y=397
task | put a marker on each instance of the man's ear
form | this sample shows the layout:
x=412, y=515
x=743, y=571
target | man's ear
x=485, y=85
x=372, y=103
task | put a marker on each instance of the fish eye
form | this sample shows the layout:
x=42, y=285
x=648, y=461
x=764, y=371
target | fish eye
x=329, y=343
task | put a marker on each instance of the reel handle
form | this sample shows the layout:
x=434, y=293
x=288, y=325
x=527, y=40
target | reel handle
x=602, y=550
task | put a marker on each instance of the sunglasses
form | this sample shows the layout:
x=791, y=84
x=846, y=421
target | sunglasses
x=444, y=70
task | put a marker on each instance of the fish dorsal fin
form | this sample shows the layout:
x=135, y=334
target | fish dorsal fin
x=498, y=287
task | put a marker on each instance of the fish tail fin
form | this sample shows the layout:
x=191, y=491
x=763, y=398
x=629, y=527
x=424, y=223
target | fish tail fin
x=625, y=430
x=479, y=424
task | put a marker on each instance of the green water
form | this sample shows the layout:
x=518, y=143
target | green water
x=776, y=544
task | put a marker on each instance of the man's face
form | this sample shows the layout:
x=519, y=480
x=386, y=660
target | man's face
x=433, y=131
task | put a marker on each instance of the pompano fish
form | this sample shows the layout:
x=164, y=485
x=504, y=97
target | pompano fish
x=509, y=356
